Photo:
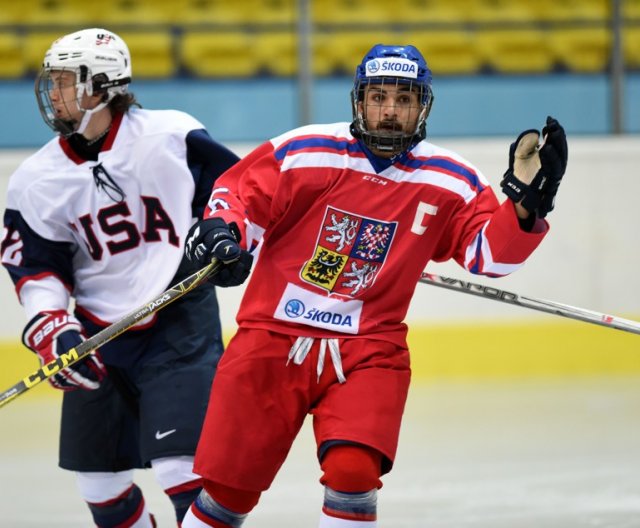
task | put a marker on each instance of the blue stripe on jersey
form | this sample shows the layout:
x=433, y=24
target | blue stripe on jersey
x=335, y=144
x=476, y=267
x=446, y=165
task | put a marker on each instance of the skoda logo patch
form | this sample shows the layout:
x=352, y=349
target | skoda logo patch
x=373, y=66
x=294, y=308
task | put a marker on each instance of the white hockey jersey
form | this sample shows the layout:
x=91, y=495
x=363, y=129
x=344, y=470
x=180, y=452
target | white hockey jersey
x=109, y=232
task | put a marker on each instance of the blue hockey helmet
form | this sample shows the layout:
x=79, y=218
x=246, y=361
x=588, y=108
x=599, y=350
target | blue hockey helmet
x=391, y=66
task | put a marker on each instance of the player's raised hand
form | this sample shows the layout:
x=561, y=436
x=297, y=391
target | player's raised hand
x=214, y=238
x=536, y=168
x=553, y=156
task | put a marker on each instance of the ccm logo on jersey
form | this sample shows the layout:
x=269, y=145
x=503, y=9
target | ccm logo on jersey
x=396, y=67
x=304, y=307
x=374, y=179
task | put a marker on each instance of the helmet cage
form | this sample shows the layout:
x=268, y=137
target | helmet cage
x=391, y=66
x=85, y=84
x=101, y=64
x=395, y=141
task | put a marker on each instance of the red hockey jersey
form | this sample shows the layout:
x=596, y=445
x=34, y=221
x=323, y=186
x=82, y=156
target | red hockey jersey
x=346, y=234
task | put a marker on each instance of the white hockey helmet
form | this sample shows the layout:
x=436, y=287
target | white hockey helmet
x=101, y=62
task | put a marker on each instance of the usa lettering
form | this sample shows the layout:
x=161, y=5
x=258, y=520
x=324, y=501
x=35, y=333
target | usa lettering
x=333, y=318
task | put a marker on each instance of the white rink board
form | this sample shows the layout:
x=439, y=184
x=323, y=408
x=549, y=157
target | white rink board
x=590, y=258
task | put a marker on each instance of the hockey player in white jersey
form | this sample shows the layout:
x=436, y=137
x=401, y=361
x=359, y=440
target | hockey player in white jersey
x=99, y=216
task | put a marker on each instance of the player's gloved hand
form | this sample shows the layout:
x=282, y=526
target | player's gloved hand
x=51, y=334
x=214, y=238
x=536, y=169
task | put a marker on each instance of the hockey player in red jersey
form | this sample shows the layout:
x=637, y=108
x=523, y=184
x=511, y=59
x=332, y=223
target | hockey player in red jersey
x=100, y=214
x=349, y=215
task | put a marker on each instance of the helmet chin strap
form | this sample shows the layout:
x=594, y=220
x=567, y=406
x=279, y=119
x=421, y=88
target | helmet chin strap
x=87, y=115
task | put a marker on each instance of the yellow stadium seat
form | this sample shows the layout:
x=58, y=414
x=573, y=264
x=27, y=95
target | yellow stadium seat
x=581, y=50
x=431, y=11
x=73, y=14
x=12, y=64
x=572, y=10
x=631, y=10
x=446, y=51
x=217, y=54
x=276, y=53
x=152, y=53
x=12, y=12
x=274, y=11
x=515, y=51
x=323, y=59
x=631, y=46
x=36, y=44
x=120, y=12
x=348, y=47
x=213, y=12
x=332, y=12
x=491, y=11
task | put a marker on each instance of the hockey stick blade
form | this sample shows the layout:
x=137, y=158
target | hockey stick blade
x=112, y=331
x=551, y=307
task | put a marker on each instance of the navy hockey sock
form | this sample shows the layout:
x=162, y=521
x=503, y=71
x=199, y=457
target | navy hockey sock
x=182, y=497
x=124, y=510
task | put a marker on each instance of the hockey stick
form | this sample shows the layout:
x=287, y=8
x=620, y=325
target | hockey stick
x=73, y=355
x=552, y=307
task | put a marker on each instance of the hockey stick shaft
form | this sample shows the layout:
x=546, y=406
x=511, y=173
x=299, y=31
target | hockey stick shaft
x=551, y=307
x=109, y=333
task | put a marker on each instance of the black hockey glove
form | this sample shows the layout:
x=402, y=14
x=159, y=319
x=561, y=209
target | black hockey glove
x=535, y=171
x=214, y=238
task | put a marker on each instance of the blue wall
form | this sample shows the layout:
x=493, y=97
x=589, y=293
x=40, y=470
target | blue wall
x=254, y=110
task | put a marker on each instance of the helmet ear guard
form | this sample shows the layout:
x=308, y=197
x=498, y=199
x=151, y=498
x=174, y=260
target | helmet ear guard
x=391, y=65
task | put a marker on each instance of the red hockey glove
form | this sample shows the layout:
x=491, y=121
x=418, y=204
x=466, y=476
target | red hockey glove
x=215, y=238
x=50, y=334
x=535, y=170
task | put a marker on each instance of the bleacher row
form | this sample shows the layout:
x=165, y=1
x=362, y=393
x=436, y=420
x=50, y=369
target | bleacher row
x=219, y=38
x=322, y=11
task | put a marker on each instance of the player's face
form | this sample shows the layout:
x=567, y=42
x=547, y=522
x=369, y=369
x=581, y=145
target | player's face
x=390, y=110
x=64, y=96
x=62, y=92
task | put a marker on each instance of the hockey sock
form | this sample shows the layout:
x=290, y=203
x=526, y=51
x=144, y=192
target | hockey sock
x=175, y=475
x=342, y=510
x=207, y=512
x=182, y=496
x=128, y=509
x=354, y=470
x=229, y=509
